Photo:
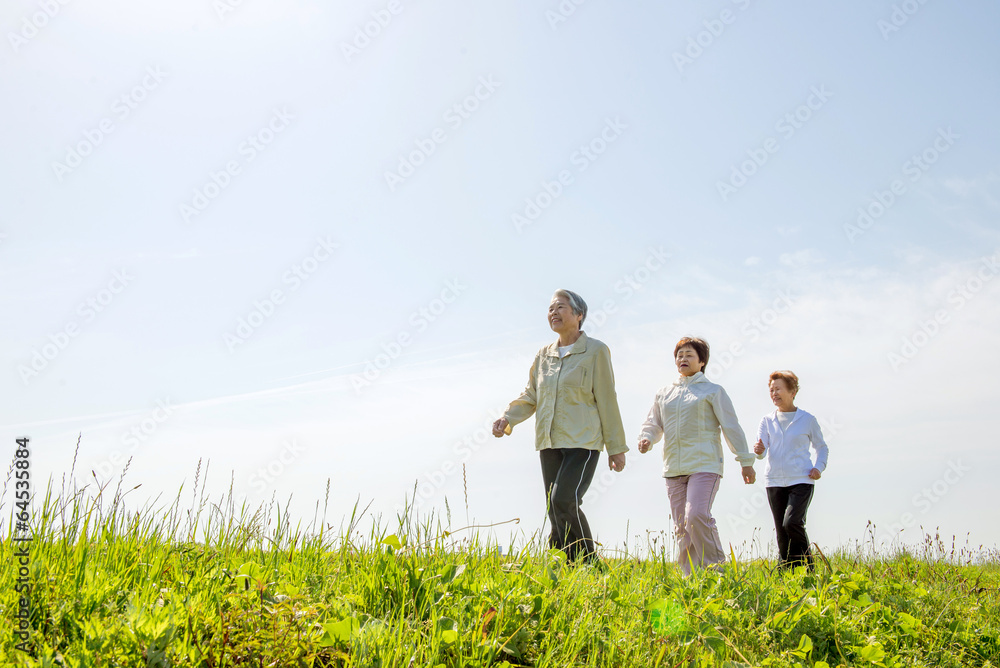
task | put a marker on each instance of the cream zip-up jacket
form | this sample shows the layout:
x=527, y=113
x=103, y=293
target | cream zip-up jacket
x=572, y=398
x=789, y=459
x=688, y=416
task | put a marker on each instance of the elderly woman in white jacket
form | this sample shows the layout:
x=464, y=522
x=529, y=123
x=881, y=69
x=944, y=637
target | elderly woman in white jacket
x=786, y=436
x=689, y=415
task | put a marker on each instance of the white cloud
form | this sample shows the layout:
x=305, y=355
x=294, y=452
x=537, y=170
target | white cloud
x=800, y=258
x=983, y=186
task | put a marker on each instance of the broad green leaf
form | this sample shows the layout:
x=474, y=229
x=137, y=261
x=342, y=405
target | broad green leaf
x=247, y=572
x=449, y=637
x=715, y=643
x=666, y=616
x=873, y=653
x=447, y=624
x=342, y=631
x=392, y=541
x=251, y=569
x=805, y=646
x=908, y=623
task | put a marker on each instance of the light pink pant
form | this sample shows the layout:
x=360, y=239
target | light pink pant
x=691, y=498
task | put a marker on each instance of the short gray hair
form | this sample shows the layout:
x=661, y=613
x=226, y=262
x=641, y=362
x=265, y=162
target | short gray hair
x=575, y=302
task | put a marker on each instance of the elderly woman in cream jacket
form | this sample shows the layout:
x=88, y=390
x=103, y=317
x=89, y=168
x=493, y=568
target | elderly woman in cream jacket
x=688, y=415
x=571, y=393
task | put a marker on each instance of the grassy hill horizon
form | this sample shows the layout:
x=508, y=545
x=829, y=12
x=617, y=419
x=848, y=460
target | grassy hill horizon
x=93, y=583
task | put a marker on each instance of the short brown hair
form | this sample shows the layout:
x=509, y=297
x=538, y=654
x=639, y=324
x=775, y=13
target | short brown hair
x=700, y=346
x=791, y=380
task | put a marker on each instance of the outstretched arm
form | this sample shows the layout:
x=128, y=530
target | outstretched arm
x=820, y=447
x=760, y=449
x=735, y=438
x=652, y=428
x=606, y=399
x=521, y=408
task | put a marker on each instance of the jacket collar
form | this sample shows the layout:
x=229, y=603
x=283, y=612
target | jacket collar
x=798, y=413
x=580, y=346
x=683, y=381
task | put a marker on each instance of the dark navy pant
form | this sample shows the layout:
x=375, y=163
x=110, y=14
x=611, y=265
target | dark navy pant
x=567, y=473
x=788, y=507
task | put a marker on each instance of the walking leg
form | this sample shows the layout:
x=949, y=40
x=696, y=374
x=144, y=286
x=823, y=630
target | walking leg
x=552, y=460
x=777, y=498
x=706, y=547
x=794, y=523
x=677, y=494
x=572, y=481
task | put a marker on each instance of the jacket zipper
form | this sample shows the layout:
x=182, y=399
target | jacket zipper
x=677, y=431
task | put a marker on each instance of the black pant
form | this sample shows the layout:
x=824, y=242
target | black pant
x=567, y=473
x=788, y=507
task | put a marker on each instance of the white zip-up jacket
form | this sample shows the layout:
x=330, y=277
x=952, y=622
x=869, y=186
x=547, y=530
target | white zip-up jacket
x=789, y=459
x=688, y=416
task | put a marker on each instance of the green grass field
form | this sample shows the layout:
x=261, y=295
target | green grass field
x=212, y=584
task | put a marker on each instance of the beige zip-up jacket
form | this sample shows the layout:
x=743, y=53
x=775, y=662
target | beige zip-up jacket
x=572, y=398
x=688, y=416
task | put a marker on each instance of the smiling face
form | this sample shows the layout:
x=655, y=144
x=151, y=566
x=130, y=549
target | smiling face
x=687, y=361
x=561, y=317
x=781, y=395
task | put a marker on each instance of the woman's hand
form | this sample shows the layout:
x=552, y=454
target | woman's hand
x=748, y=475
x=759, y=448
x=616, y=462
x=814, y=474
x=644, y=445
x=500, y=427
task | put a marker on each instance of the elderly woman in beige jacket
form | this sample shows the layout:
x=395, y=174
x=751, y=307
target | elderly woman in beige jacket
x=688, y=415
x=571, y=393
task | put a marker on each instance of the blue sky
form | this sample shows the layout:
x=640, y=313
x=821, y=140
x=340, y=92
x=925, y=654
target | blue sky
x=173, y=170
